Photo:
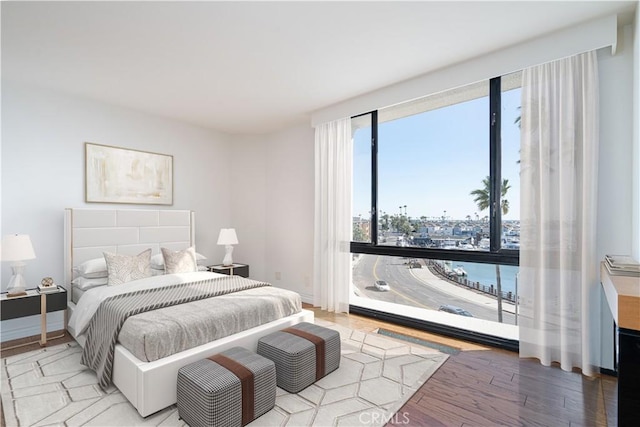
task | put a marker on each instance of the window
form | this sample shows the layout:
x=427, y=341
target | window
x=362, y=178
x=438, y=177
x=436, y=208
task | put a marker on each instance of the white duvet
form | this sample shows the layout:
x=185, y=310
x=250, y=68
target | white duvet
x=91, y=299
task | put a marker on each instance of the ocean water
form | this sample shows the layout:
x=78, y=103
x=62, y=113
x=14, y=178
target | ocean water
x=486, y=274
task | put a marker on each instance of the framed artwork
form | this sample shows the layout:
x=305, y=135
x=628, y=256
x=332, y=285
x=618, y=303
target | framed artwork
x=120, y=175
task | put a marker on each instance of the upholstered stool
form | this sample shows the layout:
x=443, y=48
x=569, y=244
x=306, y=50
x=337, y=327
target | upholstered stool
x=303, y=354
x=228, y=389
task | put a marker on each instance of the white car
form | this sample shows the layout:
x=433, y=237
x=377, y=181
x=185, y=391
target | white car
x=381, y=285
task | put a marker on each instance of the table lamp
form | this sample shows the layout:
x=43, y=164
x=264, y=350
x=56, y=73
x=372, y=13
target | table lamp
x=17, y=248
x=227, y=238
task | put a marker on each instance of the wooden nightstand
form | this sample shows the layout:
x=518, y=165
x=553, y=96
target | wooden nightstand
x=232, y=270
x=35, y=303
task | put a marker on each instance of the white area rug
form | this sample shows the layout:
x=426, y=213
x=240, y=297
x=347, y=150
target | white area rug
x=377, y=375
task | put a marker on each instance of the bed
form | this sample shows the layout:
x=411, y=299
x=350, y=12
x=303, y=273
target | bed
x=149, y=385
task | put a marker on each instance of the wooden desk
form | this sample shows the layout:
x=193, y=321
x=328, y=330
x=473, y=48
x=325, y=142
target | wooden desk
x=623, y=296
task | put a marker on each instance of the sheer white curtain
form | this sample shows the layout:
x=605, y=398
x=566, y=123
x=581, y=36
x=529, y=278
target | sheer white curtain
x=559, y=289
x=333, y=222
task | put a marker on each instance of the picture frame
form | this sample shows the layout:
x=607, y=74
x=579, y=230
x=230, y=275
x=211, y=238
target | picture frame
x=122, y=175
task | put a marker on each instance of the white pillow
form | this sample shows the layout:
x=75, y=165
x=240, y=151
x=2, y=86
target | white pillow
x=125, y=268
x=157, y=261
x=179, y=261
x=84, y=284
x=92, y=268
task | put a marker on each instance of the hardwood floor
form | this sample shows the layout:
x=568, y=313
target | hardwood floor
x=484, y=386
x=480, y=386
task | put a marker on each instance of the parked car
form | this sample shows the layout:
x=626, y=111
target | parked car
x=414, y=263
x=455, y=310
x=381, y=285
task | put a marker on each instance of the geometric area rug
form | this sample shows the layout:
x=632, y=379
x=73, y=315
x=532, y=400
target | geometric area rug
x=377, y=375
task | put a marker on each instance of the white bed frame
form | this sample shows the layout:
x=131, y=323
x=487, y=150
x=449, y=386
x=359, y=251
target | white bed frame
x=149, y=386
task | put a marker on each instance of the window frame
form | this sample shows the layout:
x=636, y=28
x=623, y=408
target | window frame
x=496, y=254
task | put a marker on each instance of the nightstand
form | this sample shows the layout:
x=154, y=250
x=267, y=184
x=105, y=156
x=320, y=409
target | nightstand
x=232, y=270
x=35, y=303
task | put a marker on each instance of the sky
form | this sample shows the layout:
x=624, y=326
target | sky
x=431, y=161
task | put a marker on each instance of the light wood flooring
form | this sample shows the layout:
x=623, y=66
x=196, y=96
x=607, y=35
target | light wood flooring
x=480, y=386
x=484, y=386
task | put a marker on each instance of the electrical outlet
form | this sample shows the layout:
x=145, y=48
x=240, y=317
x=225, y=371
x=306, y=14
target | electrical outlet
x=278, y=275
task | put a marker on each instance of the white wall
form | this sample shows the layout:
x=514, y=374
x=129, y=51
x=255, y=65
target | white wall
x=616, y=166
x=615, y=209
x=272, y=199
x=43, y=136
x=636, y=137
x=249, y=202
x=290, y=209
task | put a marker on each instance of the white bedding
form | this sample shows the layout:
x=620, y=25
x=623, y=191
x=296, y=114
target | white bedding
x=90, y=301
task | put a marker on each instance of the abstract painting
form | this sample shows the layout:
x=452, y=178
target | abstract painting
x=120, y=175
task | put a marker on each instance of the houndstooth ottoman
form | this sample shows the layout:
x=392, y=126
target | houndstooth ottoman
x=303, y=354
x=231, y=388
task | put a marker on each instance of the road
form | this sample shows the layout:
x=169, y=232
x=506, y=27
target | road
x=407, y=290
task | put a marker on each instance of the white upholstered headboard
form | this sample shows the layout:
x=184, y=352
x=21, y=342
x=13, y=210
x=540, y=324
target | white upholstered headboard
x=90, y=232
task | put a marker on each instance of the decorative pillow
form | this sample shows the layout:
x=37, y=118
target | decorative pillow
x=125, y=268
x=180, y=261
x=84, y=284
x=157, y=261
x=92, y=268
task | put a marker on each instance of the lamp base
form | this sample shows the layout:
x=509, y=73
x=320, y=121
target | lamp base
x=227, y=261
x=17, y=284
x=13, y=294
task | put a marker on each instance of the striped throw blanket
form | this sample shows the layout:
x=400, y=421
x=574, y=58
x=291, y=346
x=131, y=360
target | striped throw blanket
x=105, y=325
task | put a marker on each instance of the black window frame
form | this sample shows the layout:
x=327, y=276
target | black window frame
x=496, y=254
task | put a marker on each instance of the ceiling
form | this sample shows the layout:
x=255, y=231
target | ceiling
x=258, y=67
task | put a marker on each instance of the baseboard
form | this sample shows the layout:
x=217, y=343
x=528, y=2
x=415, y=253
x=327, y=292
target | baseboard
x=306, y=298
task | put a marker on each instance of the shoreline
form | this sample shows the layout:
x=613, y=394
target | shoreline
x=463, y=282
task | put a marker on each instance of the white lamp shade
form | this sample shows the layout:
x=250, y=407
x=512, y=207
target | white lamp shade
x=227, y=236
x=17, y=247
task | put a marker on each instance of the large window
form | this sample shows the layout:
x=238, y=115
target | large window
x=436, y=207
x=440, y=174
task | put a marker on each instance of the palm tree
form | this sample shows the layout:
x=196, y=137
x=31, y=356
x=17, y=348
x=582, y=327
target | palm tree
x=481, y=198
x=481, y=195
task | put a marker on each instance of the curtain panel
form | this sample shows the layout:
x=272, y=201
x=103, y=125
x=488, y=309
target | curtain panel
x=332, y=223
x=559, y=286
